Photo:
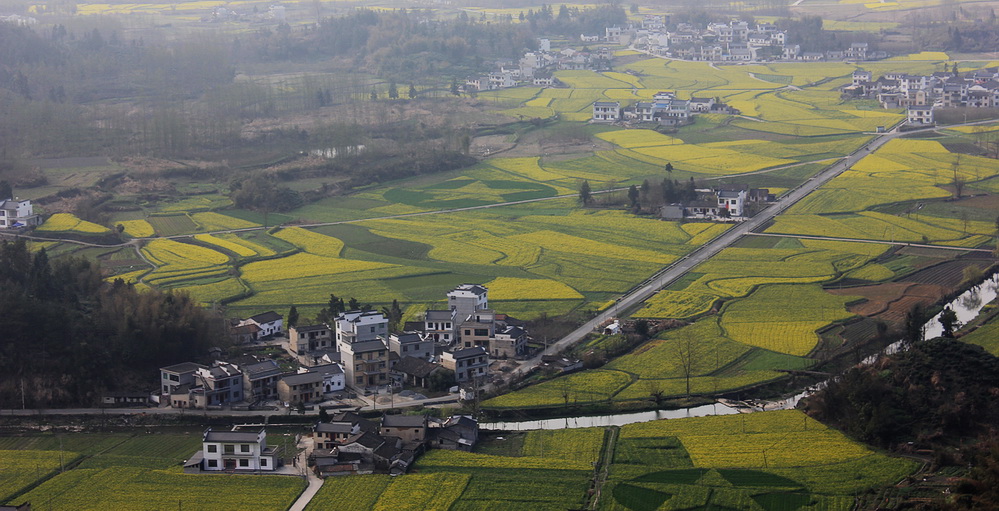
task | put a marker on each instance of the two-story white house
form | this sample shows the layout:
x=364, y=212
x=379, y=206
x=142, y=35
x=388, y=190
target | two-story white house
x=606, y=111
x=234, y=451
x=16, y=213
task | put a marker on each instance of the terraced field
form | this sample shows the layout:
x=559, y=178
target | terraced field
x=768, y=461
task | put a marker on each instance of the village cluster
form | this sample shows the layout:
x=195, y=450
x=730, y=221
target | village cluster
x=736, y=41
x=921, y=95
x=356, y=354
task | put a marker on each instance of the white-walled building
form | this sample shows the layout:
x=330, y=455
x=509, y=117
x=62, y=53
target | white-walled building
x=466, y=299
x=270, y=323
x=17, y=213
x=234, y=451
x=359, y=326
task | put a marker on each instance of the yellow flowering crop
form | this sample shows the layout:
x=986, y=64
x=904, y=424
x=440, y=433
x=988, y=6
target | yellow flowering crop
x=138, y=228
x=311, y=242
x=511, y=288
x=66, y=222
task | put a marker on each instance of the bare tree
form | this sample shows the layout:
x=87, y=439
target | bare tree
x=685, y=354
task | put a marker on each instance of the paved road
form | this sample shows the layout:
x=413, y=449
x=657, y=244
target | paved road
x=673, y=272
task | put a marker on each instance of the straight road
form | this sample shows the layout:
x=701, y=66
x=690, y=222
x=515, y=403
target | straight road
x=673, y=272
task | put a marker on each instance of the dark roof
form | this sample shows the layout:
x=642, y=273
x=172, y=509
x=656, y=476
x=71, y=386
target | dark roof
x=326, y=369
x=334, y=427
x=366, y=439
x=363, y=346
x=353, y=418
x=302, y=378
x=469, y=352
x=183, y=367
x=415, y=366
x=230, y=436
x=413, y=325
x=266, y=317
x=408, y=337
x=310, y=328
x=387, y=451
x=404, y=421
x=435, y=315
x=262, y=369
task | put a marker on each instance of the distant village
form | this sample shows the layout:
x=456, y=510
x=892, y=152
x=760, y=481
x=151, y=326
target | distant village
x=736, y=41
x=922, y=95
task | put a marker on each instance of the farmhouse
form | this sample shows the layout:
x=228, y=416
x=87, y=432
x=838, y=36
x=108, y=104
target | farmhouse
x=15, y=213
x=366, y=363
x=269, y=323
x=234, y=451
x=606, y=111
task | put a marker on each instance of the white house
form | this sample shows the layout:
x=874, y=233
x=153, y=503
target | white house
x=920, y=115
x=466, y=299
x=359, y=326
x=333, y=377
x=606, y=111
x=17, y=213
x=732, y=200
x=270, y=323
x=233, y=451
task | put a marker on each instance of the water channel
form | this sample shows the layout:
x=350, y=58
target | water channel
x=967, y=306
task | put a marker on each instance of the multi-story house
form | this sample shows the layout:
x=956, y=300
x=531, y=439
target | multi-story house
x=468, y=364
x=606, y=111
x=174, y=376
x=306, y=338
x=235, y=451
x=365, y=363
x=260, y=380
x=359, y=326
x=301, y=388
x=439, y=326
x=16, y=213
x=411, y=344
x=222, y=383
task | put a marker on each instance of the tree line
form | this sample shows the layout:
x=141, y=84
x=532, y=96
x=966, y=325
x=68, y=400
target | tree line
x=68, y=335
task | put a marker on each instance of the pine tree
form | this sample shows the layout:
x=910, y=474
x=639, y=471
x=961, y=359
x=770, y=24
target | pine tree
x=293, y=316
x=412, y=91
x=393, y=92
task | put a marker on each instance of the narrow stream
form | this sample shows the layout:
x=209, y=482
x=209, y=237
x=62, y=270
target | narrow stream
x=967, y=306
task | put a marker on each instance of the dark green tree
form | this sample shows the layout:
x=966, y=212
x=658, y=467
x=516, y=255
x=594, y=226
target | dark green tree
x=948, y=320
x=633, y=194
x=669, y=167
x=393, y=91
x=353, y=304
x=585, y=194
x=293, y=316
x=412, y=92
x=6, y=191
x=454, y=87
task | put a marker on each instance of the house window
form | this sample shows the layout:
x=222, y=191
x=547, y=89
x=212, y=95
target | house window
x=468, y=332
x=213, y=463
x=359, y=380
x=213, y=448
x=372, y=329
x=263, y=462
x=229, y=449
x=244, y=448
x=244, y=462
